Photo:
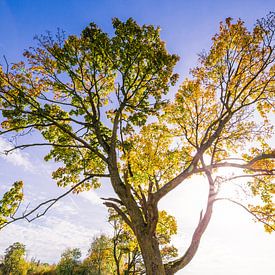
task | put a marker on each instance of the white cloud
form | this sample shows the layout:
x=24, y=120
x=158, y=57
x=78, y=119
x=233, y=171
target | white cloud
x=48, y=241
x=16, y=157
x=91, y=196
x=67, y=210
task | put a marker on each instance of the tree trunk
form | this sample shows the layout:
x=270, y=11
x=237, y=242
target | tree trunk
x=148, y=243
x=151, y=255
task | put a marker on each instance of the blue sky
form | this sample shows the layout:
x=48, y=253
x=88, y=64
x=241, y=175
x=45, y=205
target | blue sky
x=233, y=244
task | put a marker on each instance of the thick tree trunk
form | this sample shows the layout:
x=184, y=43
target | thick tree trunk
x=151, y=255
x=148, y=243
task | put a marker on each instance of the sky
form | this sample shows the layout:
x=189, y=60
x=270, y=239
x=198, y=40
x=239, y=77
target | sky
x=233, y=242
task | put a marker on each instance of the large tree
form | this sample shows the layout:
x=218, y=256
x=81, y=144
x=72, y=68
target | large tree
x=99, y=104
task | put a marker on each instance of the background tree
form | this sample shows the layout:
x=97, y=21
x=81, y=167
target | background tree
x=14, y=260
x=126, y=253
x=98, y=103
x=69, y=262
x=36, y=267
x=100, y=258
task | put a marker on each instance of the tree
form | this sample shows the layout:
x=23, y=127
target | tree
x=98, y=103
x=126, y=252
x=35, y=267
x=69, y=262
x=14, y=262
x=100, y=257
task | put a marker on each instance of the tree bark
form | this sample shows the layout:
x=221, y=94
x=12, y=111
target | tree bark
x=148, y=243
x=151, y=255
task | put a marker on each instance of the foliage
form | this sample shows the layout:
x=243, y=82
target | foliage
x=97, y=102
x=14, y=262
x=126, y=252
x=69, y=262
x=100, y=257
x=10, y=202
x=38, y=268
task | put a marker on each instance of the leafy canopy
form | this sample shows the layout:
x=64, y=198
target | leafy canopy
x=97, y=102
x=73, y=89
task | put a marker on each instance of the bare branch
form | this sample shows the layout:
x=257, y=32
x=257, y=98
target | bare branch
x=247, y=210
x=49, y=204
x=120, y=212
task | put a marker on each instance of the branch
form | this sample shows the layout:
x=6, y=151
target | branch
x=24, y=127
x=246, y=166
x=192, y=169
x=172, y=184
x=49, y=202
x=247, y=176
x=174, y=266
x=247, y=210
x=112, y=199
x=23, y=146
x=261, y=157
x=120, y=212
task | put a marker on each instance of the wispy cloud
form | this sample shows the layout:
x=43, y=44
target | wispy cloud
x=48, y=241
x=16, y=157
x=91, y=196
